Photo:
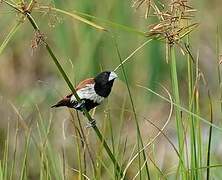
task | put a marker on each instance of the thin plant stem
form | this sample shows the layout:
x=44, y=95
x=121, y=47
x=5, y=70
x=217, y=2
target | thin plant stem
x=139, y=136
x=100, y=136
x=14, y=151
x=134, y=52
x=12, y=32
x=90, y=119
x=193, y=101
x=192, y=92
x=109, y=23
x=176, y=96
x=6, y=155
x=210, y=136
x=218, y=63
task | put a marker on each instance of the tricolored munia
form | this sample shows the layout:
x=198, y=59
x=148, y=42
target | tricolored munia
x=91, y=91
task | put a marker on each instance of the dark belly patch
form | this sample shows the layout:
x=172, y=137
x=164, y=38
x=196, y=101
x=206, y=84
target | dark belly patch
x=89, y=104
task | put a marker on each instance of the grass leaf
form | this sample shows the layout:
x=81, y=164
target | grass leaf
x=11, y=33
x=76, y=17
x=182, y=108
x=1, y=171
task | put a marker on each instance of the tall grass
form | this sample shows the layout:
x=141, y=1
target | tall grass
x=114, y=148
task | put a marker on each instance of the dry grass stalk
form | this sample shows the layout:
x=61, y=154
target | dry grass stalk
x=174, y=19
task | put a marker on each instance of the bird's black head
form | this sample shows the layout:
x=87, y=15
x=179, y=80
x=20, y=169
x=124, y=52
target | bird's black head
x=104, y=82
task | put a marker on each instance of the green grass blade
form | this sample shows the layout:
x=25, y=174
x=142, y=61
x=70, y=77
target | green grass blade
x=48, y=155
x=210, y=136
x=182, y=108
x=75, y=16
x=176, y=96
x=6, y=154
x=10, y=35
x=15, y=151
x=90, y=119
x=139, y=136
x=132, y=54
x=113, y=24
x=1, y=171
x=192, y=101
x=100, y=136
x=218, y=60
x=24, y=162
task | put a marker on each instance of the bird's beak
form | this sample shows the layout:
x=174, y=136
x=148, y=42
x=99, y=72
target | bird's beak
x=112, y=76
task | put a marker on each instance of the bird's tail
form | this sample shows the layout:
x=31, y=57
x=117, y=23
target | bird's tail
x=63, y=102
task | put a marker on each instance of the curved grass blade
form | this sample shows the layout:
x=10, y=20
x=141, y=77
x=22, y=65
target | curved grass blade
x=155, y=137
x=6, y=155
x=24, y=162
x=113, y=24
x=134, y=52
x=11, y=33
x=139, y=136
x=182, y=108
x=108, y=22
x=1, y=171
x=210, y=136
x=75, y=16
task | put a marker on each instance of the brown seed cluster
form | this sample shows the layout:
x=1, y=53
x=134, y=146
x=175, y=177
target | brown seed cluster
x=174, y=19
x=37, y=40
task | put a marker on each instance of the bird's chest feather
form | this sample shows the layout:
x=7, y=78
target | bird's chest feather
x=88, y=92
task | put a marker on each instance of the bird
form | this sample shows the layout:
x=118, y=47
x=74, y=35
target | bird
x=91, y=91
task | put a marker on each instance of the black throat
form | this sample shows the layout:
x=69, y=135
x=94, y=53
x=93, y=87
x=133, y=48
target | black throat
x=103, y=89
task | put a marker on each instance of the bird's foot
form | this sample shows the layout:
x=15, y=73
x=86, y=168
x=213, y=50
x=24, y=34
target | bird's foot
x=91, y=124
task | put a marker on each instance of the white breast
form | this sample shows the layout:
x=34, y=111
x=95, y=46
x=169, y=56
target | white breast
x=88, y=92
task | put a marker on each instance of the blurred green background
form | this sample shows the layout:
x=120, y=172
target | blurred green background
x=31, y=82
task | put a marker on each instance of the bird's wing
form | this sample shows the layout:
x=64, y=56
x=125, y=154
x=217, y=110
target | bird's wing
x=81, y=85
x=85, y=83
x=65, y=102
x=85, y=90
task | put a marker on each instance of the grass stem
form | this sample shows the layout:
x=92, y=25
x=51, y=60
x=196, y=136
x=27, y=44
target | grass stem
x=176, y=96
x=90, y=119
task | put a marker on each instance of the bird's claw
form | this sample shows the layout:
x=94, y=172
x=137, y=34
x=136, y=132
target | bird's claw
x=91, y=124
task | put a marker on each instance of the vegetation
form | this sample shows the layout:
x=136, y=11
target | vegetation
x=162, y=120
